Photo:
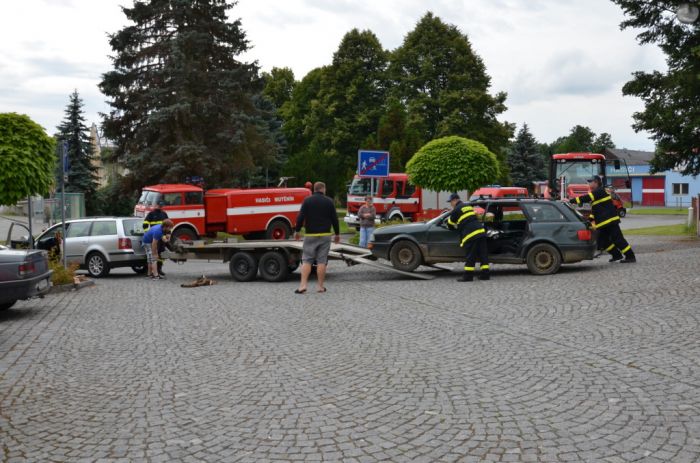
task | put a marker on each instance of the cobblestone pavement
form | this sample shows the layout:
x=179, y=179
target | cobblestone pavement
x=599, y=363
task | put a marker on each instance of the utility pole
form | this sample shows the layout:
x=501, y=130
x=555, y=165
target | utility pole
x=64, y=153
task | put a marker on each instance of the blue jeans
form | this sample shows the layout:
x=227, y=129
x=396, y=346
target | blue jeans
x=365, y=233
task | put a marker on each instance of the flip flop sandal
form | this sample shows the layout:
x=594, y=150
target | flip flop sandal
x=322, y=290
x=299, y=291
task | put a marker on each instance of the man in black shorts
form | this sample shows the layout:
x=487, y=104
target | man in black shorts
x=317, y=216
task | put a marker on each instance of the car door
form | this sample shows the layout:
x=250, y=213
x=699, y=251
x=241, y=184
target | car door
x=77, y=242
x=443, y=242
x=104, y=238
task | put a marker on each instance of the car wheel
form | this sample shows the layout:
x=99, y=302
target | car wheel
x=274, y=267
x=278, y=230
x=622, y=212
x=243, y=266
x=7, y=305
x=140, y=269
x=405, y=256
x=543, y=259
x=96, y=264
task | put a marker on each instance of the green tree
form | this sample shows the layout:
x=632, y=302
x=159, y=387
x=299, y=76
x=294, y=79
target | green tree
x=335, y=110
x=671, y=98
x=279, y=84
x=453, y=164
x=602, y=142
x=182, y=102
x=580, y=139
x=525, y=159
x=82, y=173
x=27, y=158
x=446, y=88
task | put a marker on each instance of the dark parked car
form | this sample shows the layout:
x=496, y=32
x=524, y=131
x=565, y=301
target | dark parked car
x=540, y=233
x=23, y=274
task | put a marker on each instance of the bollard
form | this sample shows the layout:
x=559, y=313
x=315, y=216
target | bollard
x=691, y=216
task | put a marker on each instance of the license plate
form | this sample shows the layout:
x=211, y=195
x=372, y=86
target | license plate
x=42, y=285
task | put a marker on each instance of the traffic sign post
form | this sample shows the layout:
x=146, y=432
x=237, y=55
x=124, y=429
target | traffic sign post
x=372, y=164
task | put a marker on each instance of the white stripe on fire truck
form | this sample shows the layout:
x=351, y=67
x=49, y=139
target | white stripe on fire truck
x=272, y=209
x=653, y=190
x=188, y=214
x=375, y=200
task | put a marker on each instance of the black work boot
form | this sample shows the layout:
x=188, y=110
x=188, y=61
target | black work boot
x=630, y=258
x=616, y=255
x=485, y=275
x=466, y=276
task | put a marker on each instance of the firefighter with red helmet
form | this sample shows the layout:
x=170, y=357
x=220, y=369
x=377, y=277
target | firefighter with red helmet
x=607, y=221
x=472, y=238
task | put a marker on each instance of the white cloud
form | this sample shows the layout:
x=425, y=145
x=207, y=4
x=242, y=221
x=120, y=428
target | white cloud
x=562, y=62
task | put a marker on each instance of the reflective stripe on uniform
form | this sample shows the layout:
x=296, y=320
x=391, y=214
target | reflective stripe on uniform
x=606, y=222
x=318, y=234
x=578, y=200
x=610, y=248
x=485, y=267
x=590, y=195
x=601, y=200
x=471, y=235
x=465, y=216
x=469, y=269
x=624, y=251
x=450, y=222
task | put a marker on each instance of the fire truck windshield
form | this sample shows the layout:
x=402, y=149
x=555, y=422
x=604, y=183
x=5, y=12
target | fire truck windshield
x=360, y=186
x=149, y=198
x=577, y=172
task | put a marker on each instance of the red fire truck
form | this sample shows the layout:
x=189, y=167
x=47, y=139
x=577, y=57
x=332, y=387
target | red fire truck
x=395, y=199
x=568, y=173
x=268, y=213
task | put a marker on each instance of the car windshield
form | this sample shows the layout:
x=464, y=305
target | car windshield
x=360, y=186
x=577, y=171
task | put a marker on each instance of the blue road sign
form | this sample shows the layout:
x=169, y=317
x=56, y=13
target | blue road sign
x=373, y=163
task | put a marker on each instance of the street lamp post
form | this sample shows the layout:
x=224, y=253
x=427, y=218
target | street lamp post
x=688, y=13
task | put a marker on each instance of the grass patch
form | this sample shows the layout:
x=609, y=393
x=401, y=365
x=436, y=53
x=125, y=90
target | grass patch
x=62, y=275
x=657, y=211
x=664, y=230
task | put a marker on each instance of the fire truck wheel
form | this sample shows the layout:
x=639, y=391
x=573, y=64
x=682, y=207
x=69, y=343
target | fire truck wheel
x=274, y=267
x=543, y=259
x=405, y=256
x=278, y=230
x=185, y=234
x=243, y=266
x=622, y=212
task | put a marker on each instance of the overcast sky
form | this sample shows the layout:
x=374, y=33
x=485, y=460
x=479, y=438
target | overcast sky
x=562, y=62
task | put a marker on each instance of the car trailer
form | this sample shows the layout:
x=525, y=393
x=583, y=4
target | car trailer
x=274, y=260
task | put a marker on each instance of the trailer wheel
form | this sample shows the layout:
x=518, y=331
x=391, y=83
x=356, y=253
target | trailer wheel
x=274, y=267
x=278, y=230
x=405, y=256
x=243, y=266
x=543, y=259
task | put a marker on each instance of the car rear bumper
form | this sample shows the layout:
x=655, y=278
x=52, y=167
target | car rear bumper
x=38, y=285
x=126, y=258
x=573, y=254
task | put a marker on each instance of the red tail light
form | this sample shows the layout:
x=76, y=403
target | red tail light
x=26, y=268
x=585, y=235
x=125, y=243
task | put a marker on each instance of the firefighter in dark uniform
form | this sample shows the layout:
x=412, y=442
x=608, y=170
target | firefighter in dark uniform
x=156, y=217
x=472, y=236
x=607, y=221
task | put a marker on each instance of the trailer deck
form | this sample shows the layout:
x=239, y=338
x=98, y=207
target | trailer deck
x=273, y=260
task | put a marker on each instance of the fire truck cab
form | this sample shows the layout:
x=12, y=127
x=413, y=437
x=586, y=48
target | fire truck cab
x=569, y=172
x=257, y=213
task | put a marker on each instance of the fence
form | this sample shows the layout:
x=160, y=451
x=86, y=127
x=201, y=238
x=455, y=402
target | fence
x=48, y=210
